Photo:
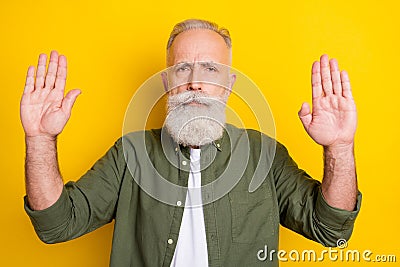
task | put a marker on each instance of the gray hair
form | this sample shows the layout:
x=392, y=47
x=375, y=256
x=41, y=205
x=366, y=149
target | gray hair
x=191, y=24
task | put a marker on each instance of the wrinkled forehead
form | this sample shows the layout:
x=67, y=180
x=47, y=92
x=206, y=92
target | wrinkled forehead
x=199, y=45
x=208, y=65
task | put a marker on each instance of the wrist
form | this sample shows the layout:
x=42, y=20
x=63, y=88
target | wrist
x=339, y=149
x=40, y=143
x=41, y=138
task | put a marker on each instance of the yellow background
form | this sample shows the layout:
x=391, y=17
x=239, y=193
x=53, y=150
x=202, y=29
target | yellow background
x=113, y=46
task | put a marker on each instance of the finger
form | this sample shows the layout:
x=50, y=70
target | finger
x=316, y=80
x=69, y=100
x=61, y=74
x=335, y=74
x=346, y=84
x=52, y=70
x=30, y=80
x=305, y=115
x=40, y=71
x=326, y=75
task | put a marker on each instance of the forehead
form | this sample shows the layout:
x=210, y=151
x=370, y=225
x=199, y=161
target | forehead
x=199, y=45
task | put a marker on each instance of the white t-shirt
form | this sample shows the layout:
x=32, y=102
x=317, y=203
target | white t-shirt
x=191, y=249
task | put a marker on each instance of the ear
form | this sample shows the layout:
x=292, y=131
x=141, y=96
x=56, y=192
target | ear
x=164, y=78
x=232, y=80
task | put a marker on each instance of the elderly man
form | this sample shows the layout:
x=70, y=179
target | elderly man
x=192, y=227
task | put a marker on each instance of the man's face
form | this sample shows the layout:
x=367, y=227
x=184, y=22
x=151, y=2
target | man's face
x=200, y=79
x=201, y=51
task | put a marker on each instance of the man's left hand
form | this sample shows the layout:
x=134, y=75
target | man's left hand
x=333, y=120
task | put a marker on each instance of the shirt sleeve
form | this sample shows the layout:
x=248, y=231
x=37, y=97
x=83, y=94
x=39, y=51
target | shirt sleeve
x=85, y=205
x=302, y=207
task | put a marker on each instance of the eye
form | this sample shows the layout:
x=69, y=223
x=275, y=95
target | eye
x=182, y=68
x=211, y=69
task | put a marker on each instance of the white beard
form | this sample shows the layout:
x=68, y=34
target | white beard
x=195, y=125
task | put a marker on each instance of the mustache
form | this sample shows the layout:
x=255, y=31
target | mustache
x=197, y=97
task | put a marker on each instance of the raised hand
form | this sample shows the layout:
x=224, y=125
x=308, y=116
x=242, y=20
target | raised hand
x=333, y=119
x=44, y=109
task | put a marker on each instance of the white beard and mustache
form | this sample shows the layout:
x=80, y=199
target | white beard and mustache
x=195, y=125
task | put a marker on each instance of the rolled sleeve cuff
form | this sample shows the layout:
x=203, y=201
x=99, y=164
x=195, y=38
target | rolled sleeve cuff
x=334, y=217
x=51, y=217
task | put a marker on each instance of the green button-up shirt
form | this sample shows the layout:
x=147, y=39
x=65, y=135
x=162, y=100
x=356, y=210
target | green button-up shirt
x=131, y=184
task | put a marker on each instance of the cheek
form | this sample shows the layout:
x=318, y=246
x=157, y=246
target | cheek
x=178, y=90
x=214, y=90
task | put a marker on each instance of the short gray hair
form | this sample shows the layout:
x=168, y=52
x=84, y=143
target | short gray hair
x=191, y=24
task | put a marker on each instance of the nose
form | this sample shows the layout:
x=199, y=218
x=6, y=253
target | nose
x=194, y=81
x=194, y=86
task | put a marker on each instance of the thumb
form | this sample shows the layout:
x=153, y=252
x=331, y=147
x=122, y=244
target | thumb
x=69, y=100
x=305, y=115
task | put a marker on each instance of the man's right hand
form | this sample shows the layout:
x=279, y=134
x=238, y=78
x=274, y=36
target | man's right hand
x=44, y=109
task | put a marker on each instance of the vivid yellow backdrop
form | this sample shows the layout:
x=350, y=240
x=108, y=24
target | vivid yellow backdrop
x=113, y=46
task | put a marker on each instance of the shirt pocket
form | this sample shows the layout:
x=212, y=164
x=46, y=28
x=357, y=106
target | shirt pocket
x=254, y=215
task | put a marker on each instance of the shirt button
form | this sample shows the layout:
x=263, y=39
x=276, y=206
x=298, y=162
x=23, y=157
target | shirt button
x=218, y=145
x=184, y=163
x=178, y=203
x=176, y=149
x=170, y=241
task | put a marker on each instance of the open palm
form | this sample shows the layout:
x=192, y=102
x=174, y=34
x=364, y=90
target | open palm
x=333, y=119
x=44, y=109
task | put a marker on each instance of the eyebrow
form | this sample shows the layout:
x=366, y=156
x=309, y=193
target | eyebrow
x=182, y=64
x=208, y=64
